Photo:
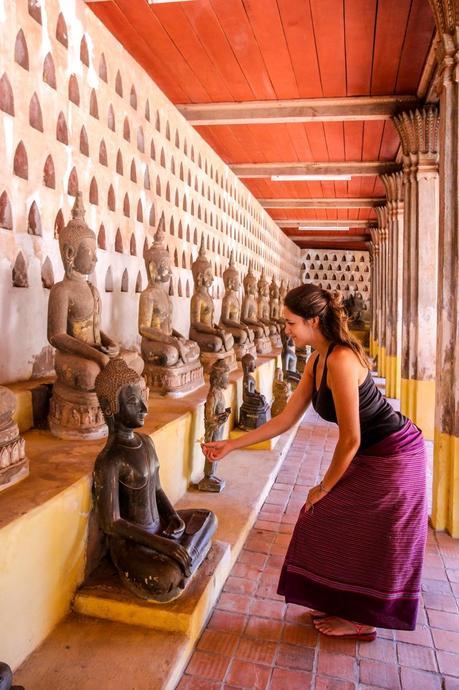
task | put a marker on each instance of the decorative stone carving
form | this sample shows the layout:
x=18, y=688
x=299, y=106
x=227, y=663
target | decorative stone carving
x=215, y=417
x=74, y=330
x=254, y=409
x=264, y=311
x=249, y=314
x=14, y=464
x=244, y=337
x=154, y=548
x=289, y=359
x=282, y=391
x=214, y=342
x=172, y=363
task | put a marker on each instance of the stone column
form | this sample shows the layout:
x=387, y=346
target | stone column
x=375, y=296
x=418, y=132
x=381, y=212
x=372, y=297
x=445, y=513
x=394, y=193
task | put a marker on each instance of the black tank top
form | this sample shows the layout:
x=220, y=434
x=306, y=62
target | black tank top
x=377, y=418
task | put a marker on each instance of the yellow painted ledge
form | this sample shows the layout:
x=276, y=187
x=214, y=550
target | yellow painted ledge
x=445, y=507
x=269, y=444
x=417, y=401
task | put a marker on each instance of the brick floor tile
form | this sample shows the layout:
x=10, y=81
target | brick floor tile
x=205, y=665
x=252, y=558
x=267, y=525
x=245, y=571
x=240, y=585
x=379, y=650
x=379, y=674
x=238, y=603
x=439, y=586
x=337, y=665
x=450, y=683
x=416, y=656
x=298, y=614
x=421, y=636
x=446, y=640
x=267, y=608
x=248, y=674
x=453, y=574
x=336, y=646
x=295, y=657
x=299, y=634
x=420, y=680
x=283, y=679
x=228, y=622
x=326, y=683
x=194, y=683
x=273, y=564
x=218, y=642
x=448, y=663
x=445, y=621
x=440, y=602
x=263, y=629
x=259, y=651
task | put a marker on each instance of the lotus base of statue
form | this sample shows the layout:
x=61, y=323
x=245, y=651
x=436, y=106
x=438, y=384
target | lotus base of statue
x=75, y=415
x=252, y=417
x=263, y=345
x=208, y=359
x=173, y=381
x=244, y=349
x=14, y=465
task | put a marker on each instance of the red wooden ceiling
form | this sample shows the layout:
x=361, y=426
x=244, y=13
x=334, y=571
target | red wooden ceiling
x=207, y=51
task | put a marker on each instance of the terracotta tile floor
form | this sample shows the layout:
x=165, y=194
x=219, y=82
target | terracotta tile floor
x=253, y=640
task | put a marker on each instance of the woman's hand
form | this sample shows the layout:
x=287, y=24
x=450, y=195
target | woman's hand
x=216, y=450
x=314, y=495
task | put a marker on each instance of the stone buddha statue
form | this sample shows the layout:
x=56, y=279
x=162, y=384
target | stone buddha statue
x=215, y=417
x=254, y=409
x=282, y=391
x=249, y=314
x=82, y=349
x=244, y=337
x=171, y=362
x=264, y=311
x=289, y=359
x=154, y=548
x=214, y=341
x=283, y=289
x=275, y=312
x=14, y=464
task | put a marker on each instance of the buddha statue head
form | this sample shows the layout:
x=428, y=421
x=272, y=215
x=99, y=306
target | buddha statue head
x=250, y=281
x=157, y=259
x=122, y=395
x=248, y=364
x=263, y=285
x=231, y=275
x=77, y=242
x=202, y=268
x=219, y=374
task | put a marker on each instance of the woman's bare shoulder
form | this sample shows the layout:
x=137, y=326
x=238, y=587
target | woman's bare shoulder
x=343, y=358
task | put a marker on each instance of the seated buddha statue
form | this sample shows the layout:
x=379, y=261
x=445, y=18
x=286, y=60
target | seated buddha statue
x=264, y=312
x=283, y=289
x=82, y=348
x=154, y=547
x=230, y=318
x=289, y=359
x=249, y=314
x=214, y=341
x=171, y=362
x=275, y=312
x=254, y=409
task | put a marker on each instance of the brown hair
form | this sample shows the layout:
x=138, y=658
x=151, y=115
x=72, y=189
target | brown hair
x=309, y=301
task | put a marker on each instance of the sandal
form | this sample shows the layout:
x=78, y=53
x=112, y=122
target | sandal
x=357, y=635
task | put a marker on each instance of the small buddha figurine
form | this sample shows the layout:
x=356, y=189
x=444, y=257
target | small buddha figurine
x=230, y=318
x=6, y=678
x=82, y=349
x=214, y=341
x=282, y=391
x=215, y=416
x=14, y=465
x=289, y=359
x=275, y=313
x=171, y=362
x=264, y=312
x=254, y=409
x=249, y=314
x=154, y=548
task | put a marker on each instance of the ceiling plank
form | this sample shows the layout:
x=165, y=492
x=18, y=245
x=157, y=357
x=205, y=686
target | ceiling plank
x=325, y=222
x=331, y=202
x=360, y=168
x=355, y=108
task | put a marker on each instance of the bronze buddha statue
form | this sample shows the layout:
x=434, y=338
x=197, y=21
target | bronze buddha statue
x=282, y=391
x=264, y=311
x=154, y=548
x=82, y=348
x=254, y=409
x=231, y=313
x=171, y=362
x=249, y=314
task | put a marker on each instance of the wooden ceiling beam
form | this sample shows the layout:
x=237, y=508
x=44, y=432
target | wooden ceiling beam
x=354, y=168
x=325, y=223
x=354, y=109
x=323, y=202
x=319, y=238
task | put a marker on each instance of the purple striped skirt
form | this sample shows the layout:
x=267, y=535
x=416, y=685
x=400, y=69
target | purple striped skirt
x=359, y=553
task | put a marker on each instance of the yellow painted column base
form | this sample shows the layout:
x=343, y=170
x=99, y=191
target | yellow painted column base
x=373, y=347
x=382, y=361
x=445, y=504
x=393, y=375
x=417, y=401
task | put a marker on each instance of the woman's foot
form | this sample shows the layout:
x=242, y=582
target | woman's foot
x=317, y=615
x=332, y=626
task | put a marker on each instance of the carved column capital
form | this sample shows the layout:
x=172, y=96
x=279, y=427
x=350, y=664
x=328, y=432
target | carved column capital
x=419, y=134
x=382, y=215
x=446, y=15
x=394, y=192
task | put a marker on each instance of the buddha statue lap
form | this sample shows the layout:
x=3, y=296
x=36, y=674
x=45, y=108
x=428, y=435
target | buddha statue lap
x=254, y=409
x=82, y=349
x=214, y=341
x=244, y=337
x=282, y=391
x=215, y=417
x=249, y=314
x=289, y=359
x=264, y=311
x=154, y=548
x=14, y=465
x=172, y=364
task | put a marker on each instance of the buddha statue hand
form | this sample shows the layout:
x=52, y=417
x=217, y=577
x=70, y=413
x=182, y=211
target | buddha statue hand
x=175, y=550
x=112, y=350
x=175, y=527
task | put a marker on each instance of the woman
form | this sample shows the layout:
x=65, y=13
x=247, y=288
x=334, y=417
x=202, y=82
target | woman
x=357, y=548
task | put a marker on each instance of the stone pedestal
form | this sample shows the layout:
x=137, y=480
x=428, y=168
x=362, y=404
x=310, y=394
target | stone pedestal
x=263, y=345
x=208, y=359
x=14, y=465
x=244, y=349
x=75, y=415
x=173, y=381
x=275, y=340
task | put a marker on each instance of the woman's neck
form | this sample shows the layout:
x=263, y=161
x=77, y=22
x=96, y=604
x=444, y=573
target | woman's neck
x=321, y=345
